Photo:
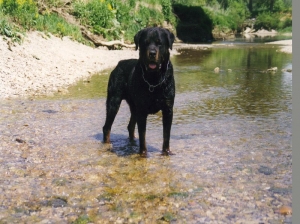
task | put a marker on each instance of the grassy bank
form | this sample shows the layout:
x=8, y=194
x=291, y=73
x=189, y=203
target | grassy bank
x=20, y=16
x=111, y=20
x=193, y=21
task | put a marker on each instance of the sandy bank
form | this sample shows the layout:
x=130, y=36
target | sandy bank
x=43, y=65
x=287, y=45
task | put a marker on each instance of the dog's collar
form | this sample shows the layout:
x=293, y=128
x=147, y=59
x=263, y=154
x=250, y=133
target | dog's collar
x=151, y=87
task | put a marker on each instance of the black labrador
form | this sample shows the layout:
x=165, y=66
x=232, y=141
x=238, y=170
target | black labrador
x=147, y=84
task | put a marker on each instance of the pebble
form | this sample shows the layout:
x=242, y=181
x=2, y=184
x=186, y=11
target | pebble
x=265, y=170
x=210, y=215
x=285, y=210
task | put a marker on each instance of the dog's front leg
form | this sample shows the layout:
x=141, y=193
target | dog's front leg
x=141, y=122
x=167, y=123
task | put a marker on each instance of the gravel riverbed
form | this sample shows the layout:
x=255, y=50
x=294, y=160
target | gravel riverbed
x=54, y=168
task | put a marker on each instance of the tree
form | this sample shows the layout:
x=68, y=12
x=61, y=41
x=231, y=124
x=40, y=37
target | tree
x=271, y=5
x=250, y=5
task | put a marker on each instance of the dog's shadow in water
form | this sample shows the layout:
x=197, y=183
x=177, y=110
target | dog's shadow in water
x=122, y=146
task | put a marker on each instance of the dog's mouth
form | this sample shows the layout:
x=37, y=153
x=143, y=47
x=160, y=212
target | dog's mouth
x=152, y=65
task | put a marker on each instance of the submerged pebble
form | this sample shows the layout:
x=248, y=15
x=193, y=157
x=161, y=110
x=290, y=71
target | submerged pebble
x=265, y=170
x=285, y=210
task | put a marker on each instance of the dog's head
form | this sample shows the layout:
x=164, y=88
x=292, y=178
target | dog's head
x=154, y=44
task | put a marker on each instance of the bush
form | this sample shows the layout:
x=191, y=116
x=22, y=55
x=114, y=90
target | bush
x=58, y=26
x=237, y=13
x=100, y=16
x=231, y=18
x=267, y=20
x=167, y=11
x=23, y=12
x=22, y=15
x=116, y=19
x=8, y=29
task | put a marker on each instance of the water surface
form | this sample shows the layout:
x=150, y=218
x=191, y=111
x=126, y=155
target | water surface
x=231, y=135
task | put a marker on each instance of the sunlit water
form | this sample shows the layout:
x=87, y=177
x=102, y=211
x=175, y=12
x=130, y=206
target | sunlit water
x=231, y=134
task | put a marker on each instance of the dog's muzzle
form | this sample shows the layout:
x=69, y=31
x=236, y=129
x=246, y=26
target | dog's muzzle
x=152, y=57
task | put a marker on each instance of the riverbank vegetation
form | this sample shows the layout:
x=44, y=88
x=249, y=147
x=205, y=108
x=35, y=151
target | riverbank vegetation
x=191, y=20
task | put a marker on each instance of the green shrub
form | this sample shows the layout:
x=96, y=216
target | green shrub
x=23, y=12
x=267, y=20
x=286, y=30
x=100, y=16
x=231, y=18
x=58, y=26
x=22, y=15
x=116, y=19
x=167, y=11
x=190, y=2
x=237, y=14
x=287, y=22
x=8, y=29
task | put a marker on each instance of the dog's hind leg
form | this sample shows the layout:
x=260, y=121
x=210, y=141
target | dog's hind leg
x=131, y=125
x=167, y=123
x=142, y=122
x=112, y=108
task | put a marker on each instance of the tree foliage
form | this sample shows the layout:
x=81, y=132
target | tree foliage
x=271, y=14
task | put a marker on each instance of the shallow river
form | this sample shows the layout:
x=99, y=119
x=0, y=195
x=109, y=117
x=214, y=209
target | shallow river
x=231, y=135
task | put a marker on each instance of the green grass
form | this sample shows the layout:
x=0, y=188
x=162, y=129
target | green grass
x=111, y=19
x=58, y=26
x=116, y=19
x=83, y=219
x=8, y=28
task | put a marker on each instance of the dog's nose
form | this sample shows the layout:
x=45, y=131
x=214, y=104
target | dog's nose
x=152, y=53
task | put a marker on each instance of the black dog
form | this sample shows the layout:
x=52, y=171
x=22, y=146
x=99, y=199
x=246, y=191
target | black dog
x=147, y=84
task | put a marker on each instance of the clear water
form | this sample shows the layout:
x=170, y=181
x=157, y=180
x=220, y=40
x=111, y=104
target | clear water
x=230, y=129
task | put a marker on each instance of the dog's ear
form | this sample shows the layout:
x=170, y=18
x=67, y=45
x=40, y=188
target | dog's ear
x=170, y=37
x=137, y=39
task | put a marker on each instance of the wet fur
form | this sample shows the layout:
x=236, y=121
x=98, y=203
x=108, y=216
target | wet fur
x=147, y=84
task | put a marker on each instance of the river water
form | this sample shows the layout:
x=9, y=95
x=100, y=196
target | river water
x=231, y=135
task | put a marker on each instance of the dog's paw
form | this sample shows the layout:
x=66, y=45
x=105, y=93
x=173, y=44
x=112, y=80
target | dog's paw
x=167, y=153
x=107, y=146
x=144, y=154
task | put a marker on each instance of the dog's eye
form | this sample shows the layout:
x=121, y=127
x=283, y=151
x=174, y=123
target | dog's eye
x=158, y=42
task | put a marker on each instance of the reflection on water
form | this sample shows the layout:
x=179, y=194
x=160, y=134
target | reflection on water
x=252, y=38
x=231, y=134
x=243, y=85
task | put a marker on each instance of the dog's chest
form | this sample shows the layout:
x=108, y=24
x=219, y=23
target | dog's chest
x=156, y=104
x=154, y=101
x=150, y=96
